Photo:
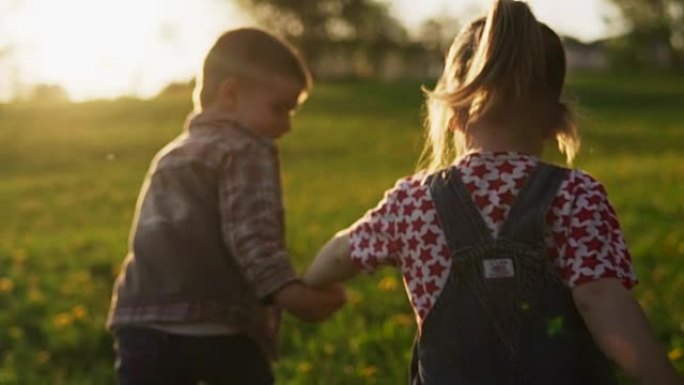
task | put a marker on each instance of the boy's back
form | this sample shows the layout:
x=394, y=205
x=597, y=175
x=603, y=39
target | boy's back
x=181, y=266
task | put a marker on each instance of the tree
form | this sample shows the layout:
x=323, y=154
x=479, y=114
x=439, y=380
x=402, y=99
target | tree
x=656, y=31
x=437, y=33
x=49, y=93
x=362, y=28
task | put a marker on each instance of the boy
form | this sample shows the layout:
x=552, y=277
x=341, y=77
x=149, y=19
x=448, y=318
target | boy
x=207, y=253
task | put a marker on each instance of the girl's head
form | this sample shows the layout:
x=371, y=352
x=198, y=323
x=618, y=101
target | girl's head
x=507, y=71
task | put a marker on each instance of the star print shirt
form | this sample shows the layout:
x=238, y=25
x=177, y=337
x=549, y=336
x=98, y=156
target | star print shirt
x=583, y=237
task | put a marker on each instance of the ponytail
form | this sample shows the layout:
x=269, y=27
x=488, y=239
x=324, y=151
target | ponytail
x=495, y=60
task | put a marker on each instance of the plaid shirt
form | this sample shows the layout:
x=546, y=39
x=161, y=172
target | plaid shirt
x=207, y=244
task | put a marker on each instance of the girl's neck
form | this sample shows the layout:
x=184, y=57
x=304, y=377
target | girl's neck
x=495, y=138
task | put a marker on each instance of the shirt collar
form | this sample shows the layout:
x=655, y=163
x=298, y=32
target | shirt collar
x=484, y=156
x=217, y=120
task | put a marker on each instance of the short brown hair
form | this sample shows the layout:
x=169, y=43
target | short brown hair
x=249, y=52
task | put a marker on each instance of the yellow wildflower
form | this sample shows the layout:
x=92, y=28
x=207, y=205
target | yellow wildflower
x=675, y=354
x=42, y=357
x=19, y=256
x=304, y=367
x=401, y=319
x=388, y=284
x=62, y=319
x=328, y=349
x=353, y=297
x=6, y=285
x=369, y=371
x=79, y=312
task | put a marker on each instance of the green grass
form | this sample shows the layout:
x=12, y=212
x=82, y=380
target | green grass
x=71, y=173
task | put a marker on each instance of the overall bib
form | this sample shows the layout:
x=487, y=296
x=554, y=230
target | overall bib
x=504, y=316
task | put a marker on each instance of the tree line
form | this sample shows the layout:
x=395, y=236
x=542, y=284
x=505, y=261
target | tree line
x=654, y=37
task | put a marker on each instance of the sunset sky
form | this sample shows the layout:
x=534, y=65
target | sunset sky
x=105, y=49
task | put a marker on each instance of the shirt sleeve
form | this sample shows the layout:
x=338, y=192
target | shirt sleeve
x=374, y=241
x=252, y=218
x=595, y=246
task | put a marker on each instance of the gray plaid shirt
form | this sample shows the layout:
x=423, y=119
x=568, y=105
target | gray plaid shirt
x=207, y=243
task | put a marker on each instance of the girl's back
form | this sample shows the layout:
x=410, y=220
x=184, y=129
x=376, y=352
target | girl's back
x=583, y=237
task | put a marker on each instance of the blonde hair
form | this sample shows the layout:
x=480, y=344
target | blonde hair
x=506, y=56
x=248, y=53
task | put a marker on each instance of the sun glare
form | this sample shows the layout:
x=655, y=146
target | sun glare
x=107, y=48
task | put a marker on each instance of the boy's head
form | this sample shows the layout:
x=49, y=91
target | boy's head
x=256, y=77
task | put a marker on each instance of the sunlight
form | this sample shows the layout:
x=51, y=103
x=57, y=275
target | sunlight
x=104, y=49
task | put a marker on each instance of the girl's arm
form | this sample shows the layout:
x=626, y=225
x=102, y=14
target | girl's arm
x=621, y=330
x=332, y=263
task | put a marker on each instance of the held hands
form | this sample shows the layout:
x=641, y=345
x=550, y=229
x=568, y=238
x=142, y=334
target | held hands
x=310, y=304
x=338, y=296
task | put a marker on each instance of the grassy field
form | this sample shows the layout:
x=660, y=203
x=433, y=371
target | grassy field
x=70, y=175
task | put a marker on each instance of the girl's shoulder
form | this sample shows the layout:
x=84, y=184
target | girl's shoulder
x=409, y=186
x=410, y=182
x=581, y=182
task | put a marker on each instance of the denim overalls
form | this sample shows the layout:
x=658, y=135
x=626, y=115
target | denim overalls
x=504, y=316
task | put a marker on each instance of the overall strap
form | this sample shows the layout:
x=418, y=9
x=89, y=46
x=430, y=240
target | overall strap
x=526, y=220
x=460, y=219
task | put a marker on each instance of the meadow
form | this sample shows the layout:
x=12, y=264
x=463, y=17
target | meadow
x=70, y=174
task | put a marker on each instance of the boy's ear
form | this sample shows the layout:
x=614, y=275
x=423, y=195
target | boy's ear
x=227, y=94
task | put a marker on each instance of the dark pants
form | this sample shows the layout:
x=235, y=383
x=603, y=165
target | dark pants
x=146, y=356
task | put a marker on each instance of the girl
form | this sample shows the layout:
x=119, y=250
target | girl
x=517, y=270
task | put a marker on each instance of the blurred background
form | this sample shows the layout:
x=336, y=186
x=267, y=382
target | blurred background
x=91, y=89
x=83, y=49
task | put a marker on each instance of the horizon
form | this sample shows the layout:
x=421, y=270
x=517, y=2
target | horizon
x=163, y=41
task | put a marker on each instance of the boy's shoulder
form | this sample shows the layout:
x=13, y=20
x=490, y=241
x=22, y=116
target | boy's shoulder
x=210, y=142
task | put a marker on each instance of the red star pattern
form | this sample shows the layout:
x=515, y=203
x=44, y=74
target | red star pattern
x=436, y=269
x=585, y=215
x=426, y=205
x=479, y=170
x=419, y=194
x=412, y=243
x=498, y=214
x=417, y=225
x=425, y=255
x=496, y=184
x=404, y=229
x=519, y=183
x=402, y=226
x=506, y=168
x=506, y=198
x=590, y=262
x=409, y=207
x=431, y=287
x=430, y=237
x=401, y=195
x=482, y=200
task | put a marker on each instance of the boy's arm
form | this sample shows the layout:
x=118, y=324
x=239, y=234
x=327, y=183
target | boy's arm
x=253, y=230
x=621, y=330
x=332, y=264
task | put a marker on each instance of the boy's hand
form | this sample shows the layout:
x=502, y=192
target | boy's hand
x=309, y=304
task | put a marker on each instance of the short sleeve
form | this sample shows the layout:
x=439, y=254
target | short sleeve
x=595, y=246
x=374, y=241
